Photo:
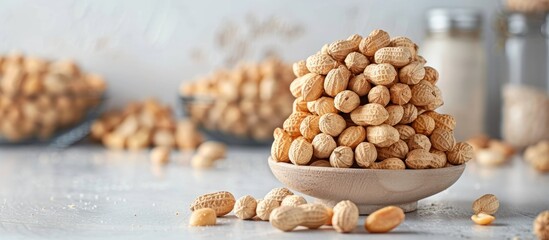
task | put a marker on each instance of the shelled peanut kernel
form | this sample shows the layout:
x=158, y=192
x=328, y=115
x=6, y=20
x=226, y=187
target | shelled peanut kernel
x=375, y=109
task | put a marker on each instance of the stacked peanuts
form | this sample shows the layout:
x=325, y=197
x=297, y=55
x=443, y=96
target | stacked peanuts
x=39, y=96
x=249, y=101
x=143, y=124
x=368, y=102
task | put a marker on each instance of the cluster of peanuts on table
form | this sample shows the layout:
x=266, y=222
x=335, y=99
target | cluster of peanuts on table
x=39, y=97
x=286, y=211
x=149, y=123
x=248, y=101
x=368, y=102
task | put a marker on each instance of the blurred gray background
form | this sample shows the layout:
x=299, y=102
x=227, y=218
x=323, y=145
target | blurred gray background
x=147, y=48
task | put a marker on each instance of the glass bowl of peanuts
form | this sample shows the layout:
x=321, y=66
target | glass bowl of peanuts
x=44, y=101
x=240, y=106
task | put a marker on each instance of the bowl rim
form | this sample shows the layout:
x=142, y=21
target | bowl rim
x=358, y=170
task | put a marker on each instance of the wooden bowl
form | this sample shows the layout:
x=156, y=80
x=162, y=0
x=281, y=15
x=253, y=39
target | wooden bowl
x=369, y=189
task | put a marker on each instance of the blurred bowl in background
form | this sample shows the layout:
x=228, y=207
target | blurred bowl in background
x=57, y=120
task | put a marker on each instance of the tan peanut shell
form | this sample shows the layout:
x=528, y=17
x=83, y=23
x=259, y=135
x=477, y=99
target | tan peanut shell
x=321, y=63
x=460, y=153
x=346, y=101
x=324, y=105
x=410, y=113
x=356, y=38
x=444, y=121
x=380, y=95
x=376, y=40
x=221, y=202
x=442, y=139
x=312, y=87
x=405, y=131
x=356, y=62
x=316, y=215
x=369, y=114
x=324, y=49
x=351, y=136
x=323, y=145
x=437, y=102
x=345, y=216
x=281, y=146
x=412, y=73
x=332, y=124
x=384, y=220
x=439, y=157
x=278, y=194
x=320, y=163
x=301, y=151
x=395, y=114
x=402, y=41
x=380, y=74
x=365, y=154
x=297, y=106
x=342, y=157
x=212, y=149
x=487, y=203
x=400, y=93
x=538, y=156
x=431, y=75
x=361, y=86
x=419, y=141
x=424, y=125
x=293, y=200
x=286, y=218
x=244, y=208
x=423, y=93
x=292, y=124
x=336, y=80
x=265, y=207
x=541, y=225
x=389, y=163
x=382, y=136
x=419, y=159
x=341, y=48
x=396, y=56
x=160, y=155
x=309, y=127
x=296, y=86
x=397, y=150
x=300, y=68
x=203, y=217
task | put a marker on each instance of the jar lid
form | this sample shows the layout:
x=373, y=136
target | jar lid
x=446, y=19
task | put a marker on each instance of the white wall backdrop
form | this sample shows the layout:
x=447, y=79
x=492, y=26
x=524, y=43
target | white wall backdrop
x=147, y=48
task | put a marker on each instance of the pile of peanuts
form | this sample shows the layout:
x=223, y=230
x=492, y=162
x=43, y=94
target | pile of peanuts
x=286, y=211
x=249, y=101
x=368, y=102
x=143, y=124
x=39, y=97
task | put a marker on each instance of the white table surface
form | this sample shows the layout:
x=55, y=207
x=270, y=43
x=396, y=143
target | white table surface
x=88, y=192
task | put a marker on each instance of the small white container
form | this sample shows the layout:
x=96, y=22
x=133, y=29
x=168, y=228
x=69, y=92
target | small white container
x=454, y=47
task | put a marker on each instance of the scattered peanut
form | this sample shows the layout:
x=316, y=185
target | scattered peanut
x=488, y=204
x=316, y=215
x=345, y=216
x=483, y=219
x=160, y=155
x=265, y=207
x=538, y=156
x=278, y=194
x=244, y=207
x=541, y=225
x=203, y=217
x=221, y=202
x=384, y=220
x=286, y=218
x=293, y=200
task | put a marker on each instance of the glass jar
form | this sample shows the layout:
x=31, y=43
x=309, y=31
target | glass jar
x=525, y=110
x=454, y=47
